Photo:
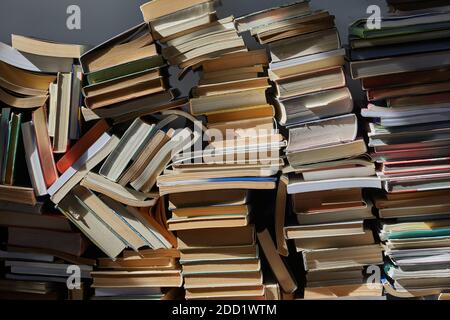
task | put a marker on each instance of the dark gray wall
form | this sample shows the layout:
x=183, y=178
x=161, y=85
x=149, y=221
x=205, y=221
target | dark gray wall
x=101, y=19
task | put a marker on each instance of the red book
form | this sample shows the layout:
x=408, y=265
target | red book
x=82, y=146
x=44, y=147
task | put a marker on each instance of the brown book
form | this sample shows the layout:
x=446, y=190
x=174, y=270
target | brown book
x=43, y=221
x=66, y=242
x=139, y=279
x=225, y=292
x=17, y=195
x=139, y=89
x=421, y=89
x=407, y=79
x=225, y=221
x=210, y=211
x=292, y=30
x=207, y=198
x=232, y=75
x=346, y=290
x=210, y=267
x=230, y=87
x=327, y=200
x=280, y=212
x=284, y=277
x=223, y=280
x=360, y=239
x=264, y=111
x=131, y=263
x=132, y=45
x=217, y=237
x=159, y=8
x=191, y=255
x=236, y=60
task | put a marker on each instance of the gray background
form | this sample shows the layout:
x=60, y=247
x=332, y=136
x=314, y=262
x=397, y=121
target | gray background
x=102, y=19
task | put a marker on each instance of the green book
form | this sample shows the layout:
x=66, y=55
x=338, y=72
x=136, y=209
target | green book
x=4, y=138
x=442, y=232
x=125, y=69
x=361, y=30
x=14, y=133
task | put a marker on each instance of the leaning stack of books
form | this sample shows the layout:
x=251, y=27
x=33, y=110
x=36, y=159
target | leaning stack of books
x=307, y=60
x=34, y=72
x=126, y=78
x=404, y=68
x=116, y=206
x=328, y=161
x=191, y=31
x=40, y=91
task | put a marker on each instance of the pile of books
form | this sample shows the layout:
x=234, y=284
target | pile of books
x=307, y=60
x=144, y=275
x=40, y=91
x=404, y=68
x=41, y=245
x=190, y=31
x=232, y=95
x=126, y=78
x=328, y=163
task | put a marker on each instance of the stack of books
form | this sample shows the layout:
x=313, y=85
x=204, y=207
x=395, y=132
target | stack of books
x=404, y=68
x=40, y=247
x=232, y=95
x=34, y=72
x=191, y=31
x=40, y=91
x=215, y=265
x=307, y=60
x=126, y=78
x=143, y=275
x=328, y=162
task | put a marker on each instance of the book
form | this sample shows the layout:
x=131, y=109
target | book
x=74, y=153
x=268, y=16
x=305, y=64
x=305, y=45
x=26, y=220
x=71, y=243
x=22, y=102
x=91, y=225
x=303, y=84
x=298, y=185
x=34, y=63
x=62, y=115
x=394, y=65
x=287, y=282
x=132, y=141
x=19, y=195
x=44, y=148
x=156, y=9
x=32, y=158
x=89, y=160
x=8, y=168
x=47, y=48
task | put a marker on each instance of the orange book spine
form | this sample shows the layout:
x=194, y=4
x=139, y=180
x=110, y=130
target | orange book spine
x=82, y=146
